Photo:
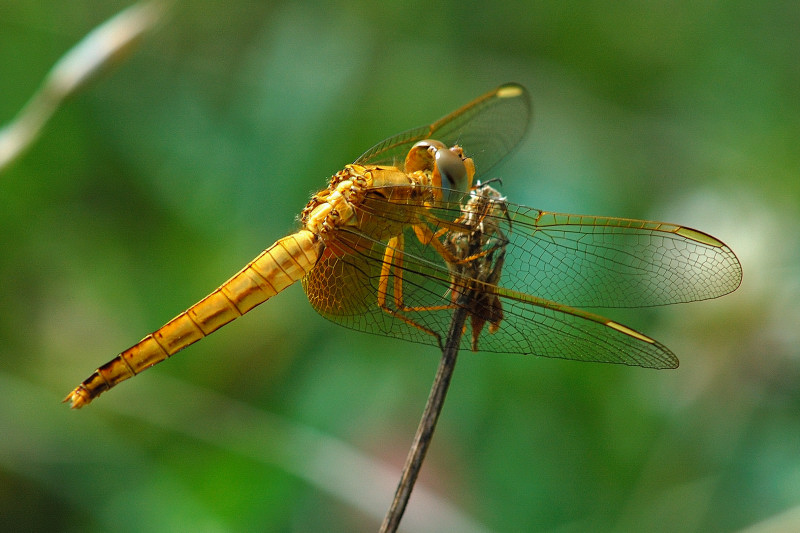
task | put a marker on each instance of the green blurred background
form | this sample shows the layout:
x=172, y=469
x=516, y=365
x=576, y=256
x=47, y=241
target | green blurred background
x=167, y=175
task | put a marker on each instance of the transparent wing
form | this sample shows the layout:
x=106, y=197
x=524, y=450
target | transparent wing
x=589, y=261
x=488, y=128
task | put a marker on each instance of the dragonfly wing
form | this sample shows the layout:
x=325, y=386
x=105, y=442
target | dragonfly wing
x=542, y=327
x=589, y=261
x=488, y=129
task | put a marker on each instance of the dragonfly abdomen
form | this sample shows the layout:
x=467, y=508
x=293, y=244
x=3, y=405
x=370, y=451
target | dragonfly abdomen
x=277, y=267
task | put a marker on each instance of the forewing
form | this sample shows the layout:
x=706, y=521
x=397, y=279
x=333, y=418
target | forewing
x=488, y=129
x=589, y=261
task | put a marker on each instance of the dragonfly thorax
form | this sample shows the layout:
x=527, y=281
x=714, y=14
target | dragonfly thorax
x=343, y=203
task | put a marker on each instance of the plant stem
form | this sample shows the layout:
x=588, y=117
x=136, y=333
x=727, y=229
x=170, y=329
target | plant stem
x=430, y=416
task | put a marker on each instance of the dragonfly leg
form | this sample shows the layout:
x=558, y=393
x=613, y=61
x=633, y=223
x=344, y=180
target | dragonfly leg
x=393, y=267
x=428, y=237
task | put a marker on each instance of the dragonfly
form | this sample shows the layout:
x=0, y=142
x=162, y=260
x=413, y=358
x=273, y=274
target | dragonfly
x=400, y=235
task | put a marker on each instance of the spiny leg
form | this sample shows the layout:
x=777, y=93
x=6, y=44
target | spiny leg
x=393, y=266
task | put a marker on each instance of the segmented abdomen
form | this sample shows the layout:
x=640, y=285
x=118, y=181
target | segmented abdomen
x=277, y=267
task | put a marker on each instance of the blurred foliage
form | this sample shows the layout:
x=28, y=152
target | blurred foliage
x=166, y=176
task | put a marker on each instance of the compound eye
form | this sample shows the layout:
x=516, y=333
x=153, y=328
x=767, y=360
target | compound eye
x=451, y=168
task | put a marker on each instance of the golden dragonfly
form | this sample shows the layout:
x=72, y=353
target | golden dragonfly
x=398, y=235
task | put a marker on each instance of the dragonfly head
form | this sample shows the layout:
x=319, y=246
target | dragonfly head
x=449, y=168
